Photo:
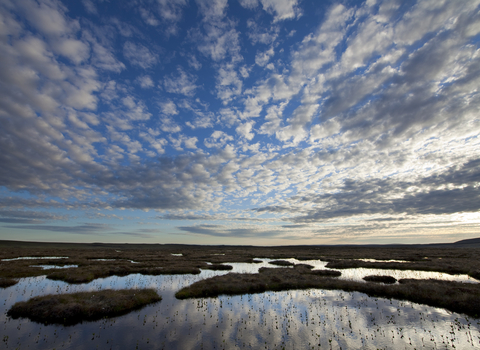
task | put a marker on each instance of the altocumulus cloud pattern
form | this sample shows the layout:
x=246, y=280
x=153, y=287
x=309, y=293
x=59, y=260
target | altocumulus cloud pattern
x=240, y=121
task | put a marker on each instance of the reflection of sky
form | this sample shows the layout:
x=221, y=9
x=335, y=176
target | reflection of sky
x=291, y=319
x=48, y=267
x=36, y=258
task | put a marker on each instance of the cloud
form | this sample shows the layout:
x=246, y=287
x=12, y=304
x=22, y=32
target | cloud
x=90, y=7
x=104, y=58
x=181, y=83
x=212, y=10
x=223, y=231
x=27, y=217
x=257, y=34
x=168, y=107
x=217, y=139
x=139, y=55
x=262, y=58
x=455, y=190
x=85, y=229
x=280, y=9
x=145, y=81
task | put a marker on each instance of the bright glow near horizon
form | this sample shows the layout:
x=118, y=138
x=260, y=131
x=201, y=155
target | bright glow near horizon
x=239, y=122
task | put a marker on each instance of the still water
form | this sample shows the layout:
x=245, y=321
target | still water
x=308, y=319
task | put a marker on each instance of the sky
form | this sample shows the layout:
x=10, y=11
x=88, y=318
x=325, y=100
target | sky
x=256, y=122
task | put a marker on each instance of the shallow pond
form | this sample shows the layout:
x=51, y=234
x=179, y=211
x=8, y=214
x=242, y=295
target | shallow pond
x=49, y=267
x=36, y=258
x=296, y=319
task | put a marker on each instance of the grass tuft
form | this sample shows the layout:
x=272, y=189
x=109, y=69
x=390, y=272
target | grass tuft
x=7, y=282
x=380, y=279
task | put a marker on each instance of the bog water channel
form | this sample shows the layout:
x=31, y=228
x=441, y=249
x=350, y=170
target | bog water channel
x=297, y=319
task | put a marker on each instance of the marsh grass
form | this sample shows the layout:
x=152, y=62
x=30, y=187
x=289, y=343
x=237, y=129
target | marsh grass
x=70, y=309
x=7, y=282
x=453, y=296
x=281, y=263
x=155, y=259
x=380, y=279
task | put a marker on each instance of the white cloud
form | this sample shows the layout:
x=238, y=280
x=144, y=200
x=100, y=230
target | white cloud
x=48, y=17
x=139, y=55
x=145, y=81
x=228, y=83
x=262, y=58
x=168, y=125
x=103, y=58
x=148, y=17
x=181, y=83
x=169, y=107
x=245, y=130
x=257, y=34
x=171, y=10
x=194, y=63
x=75, y=50
x=90, y=6
x=217, y=139
x=212, y=10
x=279, y=9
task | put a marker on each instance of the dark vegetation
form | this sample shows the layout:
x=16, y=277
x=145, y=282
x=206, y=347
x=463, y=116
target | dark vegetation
x=219, y=267
x=327, y=273
x=380, y=279
x=281, y=263
x=7, y=282
x=70, y=309
x=454, y=296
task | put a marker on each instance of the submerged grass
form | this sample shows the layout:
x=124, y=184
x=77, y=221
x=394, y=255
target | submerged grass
x=70, y=309
x=454, y=296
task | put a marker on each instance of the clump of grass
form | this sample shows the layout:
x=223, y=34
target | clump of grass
x=7, y=282
x=303, y=266
x=70, y=309
x=327, y=273
x=219, y=267
x=380, y=279
x=281, y=263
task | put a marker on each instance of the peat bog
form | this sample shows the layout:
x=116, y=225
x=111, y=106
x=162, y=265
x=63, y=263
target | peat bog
x=195, y=281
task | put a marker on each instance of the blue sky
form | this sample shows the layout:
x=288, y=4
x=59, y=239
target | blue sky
x=239, y=122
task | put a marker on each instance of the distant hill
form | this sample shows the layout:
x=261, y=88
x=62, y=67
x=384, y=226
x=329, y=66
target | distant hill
x=471, y=241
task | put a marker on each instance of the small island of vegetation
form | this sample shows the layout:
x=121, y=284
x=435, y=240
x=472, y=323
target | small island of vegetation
x=70, y=309
x=7, y=282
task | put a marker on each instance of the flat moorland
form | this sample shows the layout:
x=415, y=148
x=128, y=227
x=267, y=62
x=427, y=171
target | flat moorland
x=70, y=309
x=453, y=296
x=155, y=259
